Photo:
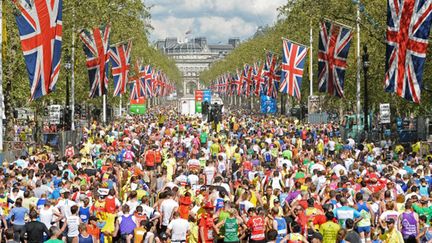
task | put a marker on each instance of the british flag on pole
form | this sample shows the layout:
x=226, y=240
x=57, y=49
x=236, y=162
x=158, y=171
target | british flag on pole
x=40, y=27
x=96, y=48
x=148, y=81
x=333, y=49
x=120, y=56
x=272, y=75
x=259, y=78
x=408, y=27
x=293, y=61
x=138, y=82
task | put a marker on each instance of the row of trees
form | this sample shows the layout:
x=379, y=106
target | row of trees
x=130, y=20
x=296, y=17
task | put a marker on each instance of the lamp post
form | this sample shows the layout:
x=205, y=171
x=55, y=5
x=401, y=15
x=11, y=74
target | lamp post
x=68, y=67
x=366, y=64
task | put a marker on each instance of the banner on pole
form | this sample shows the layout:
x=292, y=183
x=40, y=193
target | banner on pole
x=138, y=106
x=198, y=106
x=207, y=94
x=385, y=113
x=268, y=105
x=199, y=95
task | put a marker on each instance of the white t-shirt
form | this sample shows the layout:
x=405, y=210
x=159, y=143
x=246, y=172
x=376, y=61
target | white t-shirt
x=167, y=208
x=390, y=214
x=179, y=228
x=193, y=179
x=209, y=173
x=72, y=224
x=332, y=145
x=65, y=206
x=46, y=216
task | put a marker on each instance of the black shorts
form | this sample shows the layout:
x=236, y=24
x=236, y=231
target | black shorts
x=150, y=167
x=257, y=241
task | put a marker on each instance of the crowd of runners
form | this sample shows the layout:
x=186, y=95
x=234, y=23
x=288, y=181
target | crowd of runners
x=164, y=177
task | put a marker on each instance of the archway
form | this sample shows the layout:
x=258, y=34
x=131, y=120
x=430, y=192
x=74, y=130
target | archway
x=189, y=87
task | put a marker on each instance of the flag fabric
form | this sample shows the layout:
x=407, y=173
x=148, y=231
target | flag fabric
x=259, y=79
x=120, y=56
x=272, y=75
x=148, y=81
x=239, y=82
x=40, y=27
x=333, y=49
x=293, y=61
x=408, y=27
x=248, y=79
x=138, y=82
x=96, y=48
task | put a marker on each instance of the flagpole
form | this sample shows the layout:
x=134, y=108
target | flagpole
x=120, y=106
x=310, y=59
x=1, y=77
x=73, y=73
x=358, y=68
x=104, y=109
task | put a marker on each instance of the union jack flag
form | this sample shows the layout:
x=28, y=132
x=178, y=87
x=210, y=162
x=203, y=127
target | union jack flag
x=138, y=82
x=293, y=61
x=239, y=82
x=40, y=28
x=259, y=78
x=248, y=79
x=96, y=48
x=120, y=65
x=408, y=27
x=333, y=49
x=148, y=81
x=272, y=75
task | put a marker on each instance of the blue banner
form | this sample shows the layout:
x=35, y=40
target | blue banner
x=207, y=95
x=268, y=105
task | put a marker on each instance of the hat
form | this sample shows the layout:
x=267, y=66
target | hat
x=208, y=205
x=390, y=221
x=276, y=200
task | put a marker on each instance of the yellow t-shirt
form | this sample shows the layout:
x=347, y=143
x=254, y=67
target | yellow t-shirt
x=193, y=236
x=329, y=231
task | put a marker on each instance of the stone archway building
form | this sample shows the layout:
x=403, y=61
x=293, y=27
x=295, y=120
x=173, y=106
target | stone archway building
x=194, y=56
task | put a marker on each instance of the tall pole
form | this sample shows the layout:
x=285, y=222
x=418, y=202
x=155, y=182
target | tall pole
x=120, y=106
x=1, y=77
x=73, y=73
x=365, y=73
x=104, y=109
x=310, y=59
x=358, y=68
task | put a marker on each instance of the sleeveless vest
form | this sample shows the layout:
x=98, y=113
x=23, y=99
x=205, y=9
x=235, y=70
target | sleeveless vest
x=127, y=225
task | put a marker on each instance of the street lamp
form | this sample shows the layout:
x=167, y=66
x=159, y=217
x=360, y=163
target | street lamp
x=67, y=118
x=366, y=64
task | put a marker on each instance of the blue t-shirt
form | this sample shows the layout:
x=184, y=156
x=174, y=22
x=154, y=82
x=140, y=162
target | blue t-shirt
x=19, y=214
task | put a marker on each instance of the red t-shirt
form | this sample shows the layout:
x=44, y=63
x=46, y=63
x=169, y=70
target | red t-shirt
x=150, y=158
x=207, y=223
x=256, y=224
x=247, y=165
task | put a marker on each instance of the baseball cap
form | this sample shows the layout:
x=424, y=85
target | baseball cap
x=390, y=221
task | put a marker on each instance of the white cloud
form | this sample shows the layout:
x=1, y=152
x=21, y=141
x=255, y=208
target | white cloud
x=218, y=20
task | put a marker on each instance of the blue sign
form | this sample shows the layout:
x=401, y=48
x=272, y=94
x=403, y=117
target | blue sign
x=207, y=95
x=268, y=105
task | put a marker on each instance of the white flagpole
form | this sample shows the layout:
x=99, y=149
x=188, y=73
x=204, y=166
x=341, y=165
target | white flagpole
x=104, y=109
x=310, y=59
x=73, y=74
x=358, y=65
x=120, y=106
x=1, y=77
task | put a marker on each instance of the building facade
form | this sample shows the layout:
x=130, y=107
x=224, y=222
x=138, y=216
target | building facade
x=194, y=56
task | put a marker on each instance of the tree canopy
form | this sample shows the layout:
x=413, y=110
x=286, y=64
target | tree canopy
x=129, y=19
x=296, y=16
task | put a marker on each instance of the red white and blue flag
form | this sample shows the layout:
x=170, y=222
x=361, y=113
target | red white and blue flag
x=248, y=79
x=293, y=61
x=333, y=49
x=138, y=82
x=408, y=27
x=120, y=56
x=272, y=75
x=40, y=28
x=96, y=48
x=259, y=78
x=148, y=81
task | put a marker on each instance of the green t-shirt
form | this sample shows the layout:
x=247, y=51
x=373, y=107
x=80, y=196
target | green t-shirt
x=231, y=230
x=54, y=241
x=203, y=137
x=287, y=154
